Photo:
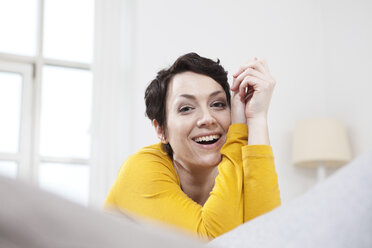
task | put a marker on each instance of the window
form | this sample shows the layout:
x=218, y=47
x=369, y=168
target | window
x=46, y=93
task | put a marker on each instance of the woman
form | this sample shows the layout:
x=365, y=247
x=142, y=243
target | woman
x=208, y=174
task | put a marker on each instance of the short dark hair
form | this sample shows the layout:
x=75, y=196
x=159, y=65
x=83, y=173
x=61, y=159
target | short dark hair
x=156, y=91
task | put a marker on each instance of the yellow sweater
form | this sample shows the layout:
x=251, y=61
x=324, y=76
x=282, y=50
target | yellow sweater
x=246, y=187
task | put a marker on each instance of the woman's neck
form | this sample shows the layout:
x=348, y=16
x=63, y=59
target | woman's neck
x=196, y=184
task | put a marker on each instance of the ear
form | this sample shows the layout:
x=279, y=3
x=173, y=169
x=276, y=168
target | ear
x=159, y=132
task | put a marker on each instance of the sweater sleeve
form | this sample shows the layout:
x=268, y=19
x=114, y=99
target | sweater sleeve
x=261, y=190
x=147, y=185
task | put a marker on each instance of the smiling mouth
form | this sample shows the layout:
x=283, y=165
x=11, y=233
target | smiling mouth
x=207, y=140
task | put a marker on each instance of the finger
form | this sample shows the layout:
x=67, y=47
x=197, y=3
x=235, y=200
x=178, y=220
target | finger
x=249, y=94
x=248, y=71
x=248, y=81
x=250, y=62
x=233, y=85
x=265, y=65
x=259, y=66
x=234, y=94
x=243, y=67
x=252, y=84
x=251, y=72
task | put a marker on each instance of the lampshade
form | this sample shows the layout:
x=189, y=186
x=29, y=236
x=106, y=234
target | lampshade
x=320, y=140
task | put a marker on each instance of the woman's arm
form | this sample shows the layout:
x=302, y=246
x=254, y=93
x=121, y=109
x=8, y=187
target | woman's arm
x=254, y=84
x=148, y=186
x=261, y=189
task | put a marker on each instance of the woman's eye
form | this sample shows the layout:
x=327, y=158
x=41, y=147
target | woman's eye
x=219, y=105
x=185, y=109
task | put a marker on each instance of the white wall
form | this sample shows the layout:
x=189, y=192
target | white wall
x=348, y=43
x=318, y=51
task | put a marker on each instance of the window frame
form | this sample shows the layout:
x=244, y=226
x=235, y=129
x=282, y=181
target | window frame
x=23, y=155
x=114, y=71
x=30, y=158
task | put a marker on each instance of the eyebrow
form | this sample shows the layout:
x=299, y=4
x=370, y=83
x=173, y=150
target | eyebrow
x=193, y=97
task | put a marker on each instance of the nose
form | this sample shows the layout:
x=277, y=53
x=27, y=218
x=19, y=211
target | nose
x=206, y=119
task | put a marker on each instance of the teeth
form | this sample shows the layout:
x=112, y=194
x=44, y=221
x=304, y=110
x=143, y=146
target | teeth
x=207, y=138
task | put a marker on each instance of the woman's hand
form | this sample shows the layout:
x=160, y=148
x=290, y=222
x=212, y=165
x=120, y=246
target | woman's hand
x=254, y=85
x=237, y=109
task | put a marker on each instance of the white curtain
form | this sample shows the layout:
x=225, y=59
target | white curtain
x=113, y=68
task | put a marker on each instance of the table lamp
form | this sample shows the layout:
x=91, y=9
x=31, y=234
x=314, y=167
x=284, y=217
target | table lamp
x=320, y=142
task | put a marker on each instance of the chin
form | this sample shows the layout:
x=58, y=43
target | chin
x=212, y=160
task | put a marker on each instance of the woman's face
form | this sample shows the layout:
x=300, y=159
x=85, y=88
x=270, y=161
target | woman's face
x=198, y=117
